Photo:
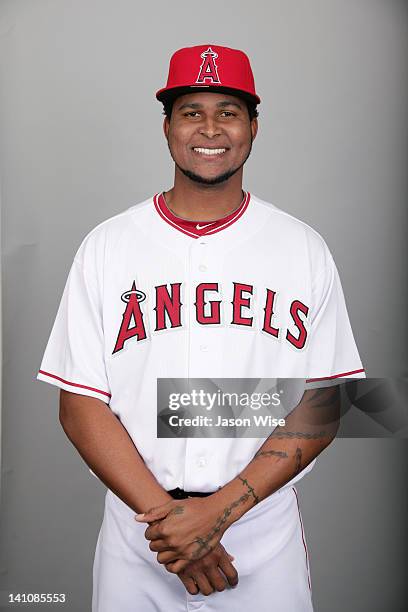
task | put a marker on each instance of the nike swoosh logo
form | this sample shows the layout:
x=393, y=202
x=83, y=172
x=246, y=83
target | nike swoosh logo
x=198, y=226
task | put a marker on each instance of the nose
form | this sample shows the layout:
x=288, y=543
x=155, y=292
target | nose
x=210, y=128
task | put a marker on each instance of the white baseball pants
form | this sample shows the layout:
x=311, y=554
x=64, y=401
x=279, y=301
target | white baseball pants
x=270, y=557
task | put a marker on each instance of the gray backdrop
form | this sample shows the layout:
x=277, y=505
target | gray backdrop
x=81, y=140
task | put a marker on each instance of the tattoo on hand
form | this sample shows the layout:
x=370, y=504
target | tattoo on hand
x=177, y=510
x=203, y=544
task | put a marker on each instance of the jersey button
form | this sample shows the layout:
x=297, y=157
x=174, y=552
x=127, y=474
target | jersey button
x=204, y=348
x=201, y=462
x=202, y=268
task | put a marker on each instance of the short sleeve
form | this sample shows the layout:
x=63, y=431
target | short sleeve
x=332, y=354
x=74, y=356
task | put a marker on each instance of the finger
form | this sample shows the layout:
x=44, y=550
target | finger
x=215, y=577
x=159, y=546
x=177, y=566
x=167, y=555
x=189, y=583
x=153, y=532
x=229, y=570
x=224, y=552
x=203, y=583
x=153, y=514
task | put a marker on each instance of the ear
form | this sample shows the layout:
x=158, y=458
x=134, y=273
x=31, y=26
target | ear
x=254, y=127
x=166, y=127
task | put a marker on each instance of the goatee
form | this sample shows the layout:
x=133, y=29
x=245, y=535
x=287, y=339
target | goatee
x=221, y=178
x=208, y=181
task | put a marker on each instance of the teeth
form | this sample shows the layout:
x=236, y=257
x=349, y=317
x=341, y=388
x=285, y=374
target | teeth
x=209, y=151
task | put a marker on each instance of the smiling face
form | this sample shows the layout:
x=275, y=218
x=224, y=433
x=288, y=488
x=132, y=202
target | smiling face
x=210, y=136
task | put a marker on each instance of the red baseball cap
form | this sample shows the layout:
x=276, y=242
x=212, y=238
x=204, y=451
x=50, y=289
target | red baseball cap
x=209, y=68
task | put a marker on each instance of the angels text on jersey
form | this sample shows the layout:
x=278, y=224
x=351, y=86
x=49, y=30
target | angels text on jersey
x=168, y=306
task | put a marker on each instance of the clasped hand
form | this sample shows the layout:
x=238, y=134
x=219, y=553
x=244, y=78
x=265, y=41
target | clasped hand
x=184, y=530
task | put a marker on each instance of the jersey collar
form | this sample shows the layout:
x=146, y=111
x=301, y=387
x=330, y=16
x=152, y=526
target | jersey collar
x=196, y=229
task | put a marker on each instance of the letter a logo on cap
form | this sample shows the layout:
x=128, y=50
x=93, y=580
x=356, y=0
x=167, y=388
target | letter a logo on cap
x=208, y=68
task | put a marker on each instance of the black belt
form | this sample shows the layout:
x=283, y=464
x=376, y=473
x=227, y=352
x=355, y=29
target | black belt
x=181, y=494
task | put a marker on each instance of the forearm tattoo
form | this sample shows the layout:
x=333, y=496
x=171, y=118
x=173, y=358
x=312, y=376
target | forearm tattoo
x=203, y=542
x=298, y=434
x=250, y=489
x=298, y=461
x=271, y=453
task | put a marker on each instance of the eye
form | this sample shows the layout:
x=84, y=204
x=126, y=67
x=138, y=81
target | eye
x=228, y=113
x=190, y=114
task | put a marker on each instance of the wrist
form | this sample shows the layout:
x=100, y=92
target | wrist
x=232, y=501
x=156, y=499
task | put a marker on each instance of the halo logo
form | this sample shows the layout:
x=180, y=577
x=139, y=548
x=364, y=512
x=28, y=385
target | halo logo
x=208, y=68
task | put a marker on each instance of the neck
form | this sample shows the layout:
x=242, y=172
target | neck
x=198, y=202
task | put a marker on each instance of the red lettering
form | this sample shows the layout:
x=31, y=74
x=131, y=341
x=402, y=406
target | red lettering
x=239, y=302
x=214, y=316
x=132, y=297
x=295, y=308
x=267, y=326
x=170, y=305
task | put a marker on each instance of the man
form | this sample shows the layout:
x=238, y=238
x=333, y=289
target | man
x=204, y=280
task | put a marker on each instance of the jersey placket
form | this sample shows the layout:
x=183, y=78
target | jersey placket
x=202, y=359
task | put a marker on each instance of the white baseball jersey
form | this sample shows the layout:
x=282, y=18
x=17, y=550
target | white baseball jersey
x=255, y=294
x=149, y=295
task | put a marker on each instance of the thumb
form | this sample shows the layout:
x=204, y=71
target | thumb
x=231, y=557
x=153, y=514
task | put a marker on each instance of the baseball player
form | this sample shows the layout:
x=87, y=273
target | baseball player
x=203, y=280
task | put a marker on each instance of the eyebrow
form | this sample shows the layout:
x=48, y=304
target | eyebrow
x=197, y=105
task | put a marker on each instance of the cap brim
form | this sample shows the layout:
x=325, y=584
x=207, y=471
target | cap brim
x=169, y=95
